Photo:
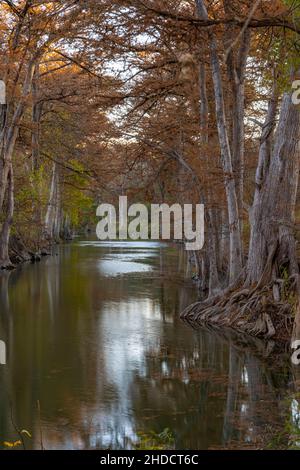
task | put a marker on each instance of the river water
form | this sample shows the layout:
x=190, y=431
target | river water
x=93, y=335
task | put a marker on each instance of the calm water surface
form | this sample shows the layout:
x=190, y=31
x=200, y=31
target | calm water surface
x=94, y=335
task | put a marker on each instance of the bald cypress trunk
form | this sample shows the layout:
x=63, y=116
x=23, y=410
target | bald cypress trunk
x=37, y=108
x=235, y=250
x=214, y=281
x=249, y=304
x=7, y=219
x=8, y=137
x=272, y=217
x=53, y=219
x=236, y=61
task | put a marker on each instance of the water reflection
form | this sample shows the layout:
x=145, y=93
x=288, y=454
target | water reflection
x=94, y=334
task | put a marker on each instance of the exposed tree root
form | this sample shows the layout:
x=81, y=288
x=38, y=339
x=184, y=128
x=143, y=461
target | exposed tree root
x=267, y=312
x=20, y=253
x=6, y=265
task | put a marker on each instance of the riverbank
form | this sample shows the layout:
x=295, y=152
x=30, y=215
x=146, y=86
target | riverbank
x=20, y=253
x=254, y=311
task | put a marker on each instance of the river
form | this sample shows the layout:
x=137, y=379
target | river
x=93, y=336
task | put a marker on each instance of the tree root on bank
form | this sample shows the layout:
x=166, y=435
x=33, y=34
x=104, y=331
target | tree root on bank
x=20, y=253
x=267, y=312
x=6, y=266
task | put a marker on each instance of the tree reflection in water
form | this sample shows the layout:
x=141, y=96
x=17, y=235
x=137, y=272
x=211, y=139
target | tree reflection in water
x=94, y=334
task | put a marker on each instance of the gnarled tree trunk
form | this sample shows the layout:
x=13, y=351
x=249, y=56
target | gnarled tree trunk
x=252, y=304
x=272, y=216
